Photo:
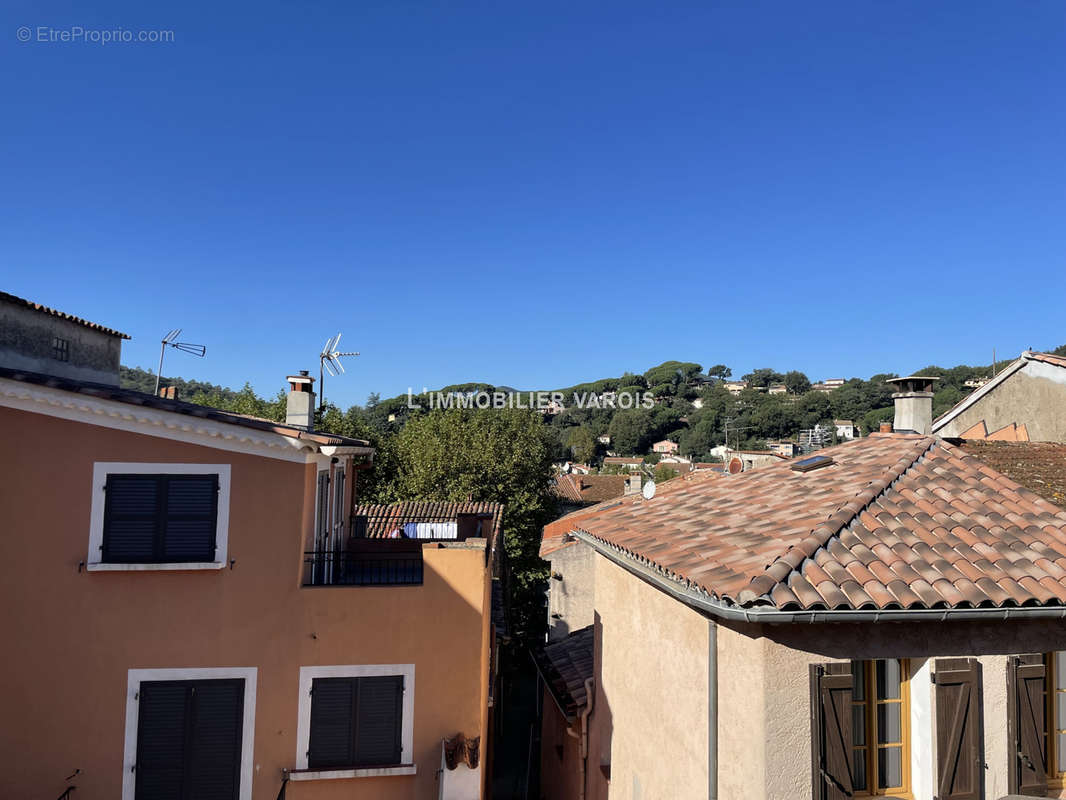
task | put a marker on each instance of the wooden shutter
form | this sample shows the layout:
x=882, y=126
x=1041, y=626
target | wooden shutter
x=160, y=518
x=191, y=514
x=332, y=723
x=161, y=740
x=189, y=736
x=380, y=711
x=215, y=733
x=958, y=729
x=131, y=518
x=831, y=742
x=1027, y=725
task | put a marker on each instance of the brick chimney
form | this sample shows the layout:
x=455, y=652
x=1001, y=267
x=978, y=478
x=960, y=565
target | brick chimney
x=168, y=392
x=300, y=404
x=914, y=404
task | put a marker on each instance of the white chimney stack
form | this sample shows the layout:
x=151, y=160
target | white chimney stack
x=300, y=404
x=914, y=404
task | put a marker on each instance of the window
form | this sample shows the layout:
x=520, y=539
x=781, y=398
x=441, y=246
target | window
x=159, y=516
x=189, y=734
x=355, y=721
x=60, y=349
x=880, y=726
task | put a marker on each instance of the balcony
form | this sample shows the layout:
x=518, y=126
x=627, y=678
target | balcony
x=366, y=562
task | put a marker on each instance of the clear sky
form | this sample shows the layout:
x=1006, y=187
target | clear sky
x=540, y=193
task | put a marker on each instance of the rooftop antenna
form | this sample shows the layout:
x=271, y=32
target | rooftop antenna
x=329, y=360
x=197, y=350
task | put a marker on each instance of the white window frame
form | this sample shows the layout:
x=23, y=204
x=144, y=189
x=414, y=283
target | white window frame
x=303, y=725
x=101, y=469
x=133, y=688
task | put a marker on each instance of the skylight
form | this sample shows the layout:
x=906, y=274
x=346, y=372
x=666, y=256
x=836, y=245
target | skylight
x=814, y=462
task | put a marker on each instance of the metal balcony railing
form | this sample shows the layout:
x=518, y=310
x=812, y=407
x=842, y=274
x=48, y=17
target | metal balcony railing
x=373, y=563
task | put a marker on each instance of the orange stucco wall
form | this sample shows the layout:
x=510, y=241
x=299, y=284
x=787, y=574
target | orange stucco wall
x=561, y=769
x=70, y=637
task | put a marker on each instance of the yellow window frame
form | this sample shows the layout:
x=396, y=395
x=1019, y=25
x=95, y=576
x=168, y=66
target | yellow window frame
x=872, y=745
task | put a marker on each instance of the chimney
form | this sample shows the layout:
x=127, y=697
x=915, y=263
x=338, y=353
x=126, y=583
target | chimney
x=168, y=392
x=300, y=404
x=632, y=484
x=886, y=427
x=914, y=404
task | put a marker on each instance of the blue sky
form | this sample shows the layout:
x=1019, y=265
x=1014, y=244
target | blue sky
x=536, y=194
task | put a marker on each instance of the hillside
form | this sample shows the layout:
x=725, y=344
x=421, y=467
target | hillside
x=679, y=401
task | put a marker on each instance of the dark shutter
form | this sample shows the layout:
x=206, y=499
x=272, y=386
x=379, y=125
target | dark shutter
x=1027, y=725
x=332, y=723
x=189, y=736
x=958, y=729
x=215, y=730
x=355, y=722
x=161, y=735
x=831, y=743
x=131, y=518
x=160, y=518
x=380, y=711
x=191, y=515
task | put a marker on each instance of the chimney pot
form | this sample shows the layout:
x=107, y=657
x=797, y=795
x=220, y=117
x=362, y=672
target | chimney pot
x=914, y=404
x=886, y=427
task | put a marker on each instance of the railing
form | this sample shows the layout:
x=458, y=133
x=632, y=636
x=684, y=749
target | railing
x=367, y=563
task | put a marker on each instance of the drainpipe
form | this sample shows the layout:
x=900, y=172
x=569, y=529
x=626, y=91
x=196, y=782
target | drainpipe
x=712, y=712
x=583, y=737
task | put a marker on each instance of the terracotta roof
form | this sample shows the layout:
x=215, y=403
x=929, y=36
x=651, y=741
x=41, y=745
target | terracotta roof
x=105, y=391
x=10, y=298
x=896, y=521
x=565, y=665
x=383, y=518
x=1038, y=466
x=1049, y=358
x=622, y=460
x=589, y=488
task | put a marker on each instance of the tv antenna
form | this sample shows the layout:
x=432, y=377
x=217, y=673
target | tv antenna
x=329, y=360
x=197, y=350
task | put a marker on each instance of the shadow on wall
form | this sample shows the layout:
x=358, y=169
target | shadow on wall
x=601, y=726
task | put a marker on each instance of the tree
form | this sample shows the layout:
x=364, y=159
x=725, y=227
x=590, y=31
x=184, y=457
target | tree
x=492, y=455
x=761, y=378
x=796, y=382
x=373, y=399
x=664, y=473
x=582, y=444
x=672, y=372
x=630, y=431
x=720, y=371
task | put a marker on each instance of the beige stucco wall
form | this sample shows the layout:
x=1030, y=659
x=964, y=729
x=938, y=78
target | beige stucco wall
x=572, y=597
x=1035, y=396
x=650, y=720
x=764, y=681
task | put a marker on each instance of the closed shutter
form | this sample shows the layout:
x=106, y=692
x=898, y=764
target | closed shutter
x=161, y=735
x=355, y=722
x=332, y=723
x=191, y=515
x=131, y=518
x=160, y=518
x=958, y=729
x=1027, y=725
x=215, y=732
x=831, y=742
x=378, y=723
x=189, y=736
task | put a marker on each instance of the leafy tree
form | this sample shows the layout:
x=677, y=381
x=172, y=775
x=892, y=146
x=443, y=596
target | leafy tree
x=664, y=473
x=494, y=455
x=698, y=439
x=720, y=371
x=672, y=372
x=631, y=431
x=774, y=417
x=582, y=444
x=761, y=378
x=373, y=399
x=796, y=382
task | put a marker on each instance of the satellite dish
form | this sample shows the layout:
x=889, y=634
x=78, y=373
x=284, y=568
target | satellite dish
x=735, y=465
x=649, y=490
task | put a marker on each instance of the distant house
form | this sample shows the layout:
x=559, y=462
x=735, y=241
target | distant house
x=784, y=448
x=735, y=387
x=584, y=490
x=679, y=464
x=828, y=385
x=627, y=462
x=845, y=428
x=665, y=446
x=697, y=402
x=605, y=439
x=777, y=388
x=1025, y=402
